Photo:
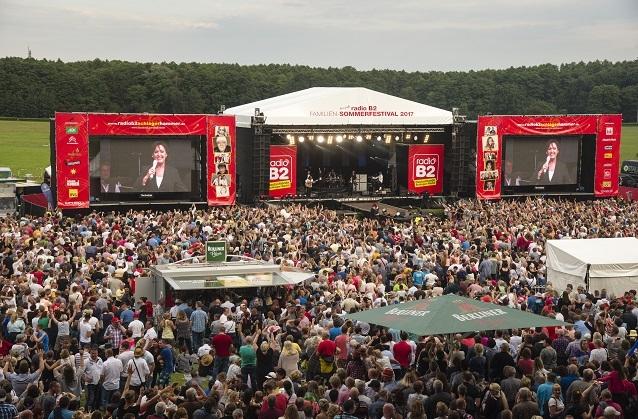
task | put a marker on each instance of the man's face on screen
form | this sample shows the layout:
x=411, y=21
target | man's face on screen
x=105, y=171
x=159, y=153
x=508, y=167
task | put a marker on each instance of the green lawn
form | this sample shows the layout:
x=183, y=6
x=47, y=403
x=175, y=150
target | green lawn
x=24, y=146
x=629, y=142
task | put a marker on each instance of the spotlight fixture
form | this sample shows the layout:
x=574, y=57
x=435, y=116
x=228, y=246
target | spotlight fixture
x=291, y=139
x=301, y=139
x=408, y=136
x=320, y=139
x=388, y=138
x=368, y=136
x=288, y=136
x=378, y=138
x=339, y=138
x=359, y=138
x=350, y=137
x=397, y=138
x=311, y=137
x=330, y=139
x=426, y=138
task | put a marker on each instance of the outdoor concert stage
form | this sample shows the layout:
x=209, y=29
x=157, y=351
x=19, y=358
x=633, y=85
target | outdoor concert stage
x=342, y=145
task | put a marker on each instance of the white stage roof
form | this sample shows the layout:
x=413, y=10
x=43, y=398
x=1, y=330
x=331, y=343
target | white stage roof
x=340, y=106
x=613, y=263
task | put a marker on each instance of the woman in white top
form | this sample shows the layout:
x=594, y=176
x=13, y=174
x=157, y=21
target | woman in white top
x=599, y=353
x=555, y=403
x=15, y=326
x=64, y=330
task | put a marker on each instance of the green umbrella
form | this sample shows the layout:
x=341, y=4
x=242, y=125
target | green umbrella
x=451, y=314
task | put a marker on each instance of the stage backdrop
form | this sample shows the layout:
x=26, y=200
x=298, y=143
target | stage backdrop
x=72, y=132
x=283, y=171
x=491, y=129
x=425, y=168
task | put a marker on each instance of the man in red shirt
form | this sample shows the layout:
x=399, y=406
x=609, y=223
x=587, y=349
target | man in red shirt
x=341, y=342
x=326, y=348
x=222, y=344
x=274, y=403
x=5, y=347
x=402, y=352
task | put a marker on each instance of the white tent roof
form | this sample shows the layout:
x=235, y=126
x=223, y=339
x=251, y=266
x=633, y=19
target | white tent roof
x=613, y=263
x=340, y=106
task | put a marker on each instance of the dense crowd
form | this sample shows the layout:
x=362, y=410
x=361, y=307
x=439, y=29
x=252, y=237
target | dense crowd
x=76, y=343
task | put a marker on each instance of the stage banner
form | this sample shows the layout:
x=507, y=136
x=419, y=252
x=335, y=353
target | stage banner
x=541, y=125
x=607, y=171
x=72, y=160
x=282, y=171
x=488, y=158
x=142, y=124
x=425, y=168
x=489, y=142
x=221, y=169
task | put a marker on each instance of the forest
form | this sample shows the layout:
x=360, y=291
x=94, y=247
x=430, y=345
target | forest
x=34, y=88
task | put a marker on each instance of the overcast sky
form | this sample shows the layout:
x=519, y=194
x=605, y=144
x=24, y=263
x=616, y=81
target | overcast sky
x=411, y=35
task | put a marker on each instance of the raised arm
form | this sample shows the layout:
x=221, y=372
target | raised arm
x=41, y=361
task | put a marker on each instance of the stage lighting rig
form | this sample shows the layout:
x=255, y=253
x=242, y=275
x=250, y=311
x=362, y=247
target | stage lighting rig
x=259, y=118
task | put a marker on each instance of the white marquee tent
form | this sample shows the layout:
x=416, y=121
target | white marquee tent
x=340, y=106
x=612, y=263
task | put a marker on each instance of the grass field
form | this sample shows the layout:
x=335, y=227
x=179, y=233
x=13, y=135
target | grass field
x=24, y=146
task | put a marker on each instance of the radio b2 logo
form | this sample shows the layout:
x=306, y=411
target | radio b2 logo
x=425, y=165
x=280, y=168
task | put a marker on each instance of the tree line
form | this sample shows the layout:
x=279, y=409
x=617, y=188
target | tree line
x=33, y=88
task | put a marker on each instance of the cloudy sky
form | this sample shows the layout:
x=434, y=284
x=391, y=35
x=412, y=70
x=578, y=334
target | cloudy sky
x=412, y=35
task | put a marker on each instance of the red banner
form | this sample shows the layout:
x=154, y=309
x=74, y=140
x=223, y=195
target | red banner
x=607, y=169
x=221, y=151
x=72, y=160
x=491, y=130
x=143, y=124
x=425, y=168
x=282, y=171
x=72, y=131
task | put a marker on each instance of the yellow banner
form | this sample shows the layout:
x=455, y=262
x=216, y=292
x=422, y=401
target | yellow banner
x=281, y=184
x=424, y=182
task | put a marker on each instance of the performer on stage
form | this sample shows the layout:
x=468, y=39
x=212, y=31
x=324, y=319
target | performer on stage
x=308, y=183
x=553, y=171
x=377, y=182
x=160, y=177
x=353, y=181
